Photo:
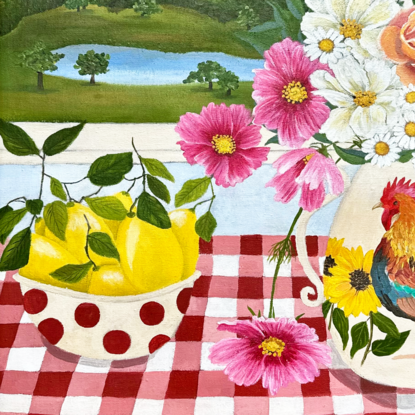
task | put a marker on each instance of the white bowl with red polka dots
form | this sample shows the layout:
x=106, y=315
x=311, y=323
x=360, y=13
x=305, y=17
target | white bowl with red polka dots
x=104, y=327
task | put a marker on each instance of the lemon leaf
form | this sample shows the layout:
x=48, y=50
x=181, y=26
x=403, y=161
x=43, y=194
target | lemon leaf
x=157, y=168
x=110, y=169
x=3, y=211
x=108, y=207
x=158, y=188
x=72, y=273
x=8, y=221
x=34, y=206
x=150, y=210
x=17, y=140
x=16, y=253
x=56, y=188
x=56, y=218
x=61, y=140
x=192, y=190
x=205, y=226
x=102, y=245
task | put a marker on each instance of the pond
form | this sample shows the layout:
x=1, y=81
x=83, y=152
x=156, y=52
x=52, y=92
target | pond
x=133, y=66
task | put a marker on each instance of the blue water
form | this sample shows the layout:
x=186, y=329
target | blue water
x=247, y=208
x=132, y=66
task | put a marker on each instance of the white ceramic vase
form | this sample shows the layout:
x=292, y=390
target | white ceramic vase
x=359, y=225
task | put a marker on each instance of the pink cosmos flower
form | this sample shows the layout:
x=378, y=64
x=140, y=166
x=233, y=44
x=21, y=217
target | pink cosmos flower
x=279, y=351
x=284, y=94
x=223, y=140
x=308, y=170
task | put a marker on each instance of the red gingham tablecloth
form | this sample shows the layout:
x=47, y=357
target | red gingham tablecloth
x=179, y=379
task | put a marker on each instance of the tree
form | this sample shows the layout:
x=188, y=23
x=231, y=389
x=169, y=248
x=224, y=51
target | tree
x=228, y=81
x=92, y=63
x=147, y=7
x=248, y=17
x=76, y=4
x=206, y=72
x=40, y=59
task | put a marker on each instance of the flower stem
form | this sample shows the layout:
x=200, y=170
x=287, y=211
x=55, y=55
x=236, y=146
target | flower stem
x=281, y=257
x=370, y=339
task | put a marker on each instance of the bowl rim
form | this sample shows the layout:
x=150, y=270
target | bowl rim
x=188, y=282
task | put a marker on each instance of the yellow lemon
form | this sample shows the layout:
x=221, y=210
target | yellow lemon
x=150, y=257
x=76, y=232
x=183, y=226
x=110, y=280
x=47, y=256
x=126, y=200
x=40, y=226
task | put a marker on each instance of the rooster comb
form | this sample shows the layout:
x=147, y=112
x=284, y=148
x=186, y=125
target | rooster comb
x=400, y=186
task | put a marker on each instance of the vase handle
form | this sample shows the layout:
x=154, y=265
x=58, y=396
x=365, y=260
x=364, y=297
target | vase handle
x=302, y=251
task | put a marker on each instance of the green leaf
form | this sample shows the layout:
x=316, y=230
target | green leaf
x=9, y=220
x=251, y=311
x=299, y=316
x=405, y=156
x=273, y=140
x=16, y=253
x=102, y=244
x=342, y=325
x=72, y=273
x=110, y=169
x=385, y=325
x=157, y=168
x=3, y=211
x=350, y=155
x=56, y=218
x=108, y=207
x=150, y=210
x=259, y=313
x=322, y=138
x=389, y=345
x=205, y=226
x=261, y=40
x=34, y=206
x=158, y=188
x=191, y=191
x=56, y=188
x=61, y=140
x=326, y=308
x=296, y=7
x=360, y=337
x=16, y=140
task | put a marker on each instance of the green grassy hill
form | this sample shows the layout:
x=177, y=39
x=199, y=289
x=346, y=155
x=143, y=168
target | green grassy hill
x=174, y=30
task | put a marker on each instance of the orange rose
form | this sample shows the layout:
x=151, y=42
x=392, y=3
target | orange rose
x=398, y=42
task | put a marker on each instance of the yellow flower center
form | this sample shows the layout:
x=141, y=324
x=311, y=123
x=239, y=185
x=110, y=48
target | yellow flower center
x=381, y=148
x=365, y=99
x=410, y=129
x=306, y=159
x=294, y=92
x=223, y=144
x=410, y=97
x=326, y=45
x=351, y=29
x=359, y=280
x=272, y=346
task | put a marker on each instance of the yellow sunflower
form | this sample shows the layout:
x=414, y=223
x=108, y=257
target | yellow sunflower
x=350, y=285
x=334, y=247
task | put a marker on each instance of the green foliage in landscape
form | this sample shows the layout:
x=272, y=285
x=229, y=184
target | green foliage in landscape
x=76, y=4
x=92, y=63
x=147, y=7
x=174, y=30
x=229, y=82
x=248, y=18
x=39, y=59
x=206, y=72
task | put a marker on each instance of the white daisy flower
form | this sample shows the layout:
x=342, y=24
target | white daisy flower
x=381, y=150
x=404, y=132
x=324, y=45
x=406, y=98
x=365, y=94
x=358, y=20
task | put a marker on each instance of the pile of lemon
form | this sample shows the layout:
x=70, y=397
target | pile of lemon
x=150, y=258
